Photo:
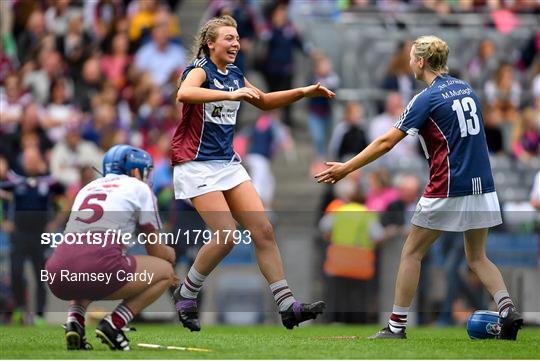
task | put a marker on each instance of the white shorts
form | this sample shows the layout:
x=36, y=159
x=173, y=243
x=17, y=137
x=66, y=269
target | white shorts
x=192, y=179
x=458, y=214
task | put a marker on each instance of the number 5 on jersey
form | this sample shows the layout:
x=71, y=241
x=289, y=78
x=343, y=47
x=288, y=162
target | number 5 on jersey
x=468, y=126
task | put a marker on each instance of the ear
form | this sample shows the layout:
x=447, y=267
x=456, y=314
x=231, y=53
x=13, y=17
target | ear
x=422, y=63
x=136, y=173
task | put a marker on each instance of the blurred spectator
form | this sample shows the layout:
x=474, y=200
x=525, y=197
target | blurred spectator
x=141, y=18
x=399, y=76
x=535, y=192
x=12, y=101
x=57, y=16
x=162, y=174
x=115, y=63
x=380, y=191
x=352, y=232
x=72, y=153
x=154, y=116
x=102, y=16
x=383, y=122
x=34, y=197
x=86, y=174
x=503, y=92
x=483, y=64
x=75, y=45
x=529, y=53
x=277, y=64
x=30, y=39
x=535, y=86
x=88, y=84
x=29, y=133
x=348, y=137
x=265, y=138
x=143, y=15
x=59, y=111
x=38, y=81
x=397, y=215
x=493, y=130
x=7, y=63
x=527, y=136
x=102, y=126
x=161, y=57
x=320, y=108
x=110, y=95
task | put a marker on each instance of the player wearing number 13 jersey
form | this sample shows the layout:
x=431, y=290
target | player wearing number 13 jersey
x=446, y=116
x=91, y=264
x=460, y=196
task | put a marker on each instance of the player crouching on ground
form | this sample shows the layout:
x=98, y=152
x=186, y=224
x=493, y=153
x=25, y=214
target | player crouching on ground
x=120, y=200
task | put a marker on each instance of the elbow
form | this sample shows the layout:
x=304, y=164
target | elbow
x=265, y=107
x=386, y=145
x=180, y=98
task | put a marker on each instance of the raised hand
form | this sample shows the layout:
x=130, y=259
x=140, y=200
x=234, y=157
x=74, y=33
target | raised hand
x=334, y=173
x=317, y=90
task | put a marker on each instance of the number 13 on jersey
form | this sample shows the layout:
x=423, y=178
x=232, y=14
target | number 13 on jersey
x=468, y=126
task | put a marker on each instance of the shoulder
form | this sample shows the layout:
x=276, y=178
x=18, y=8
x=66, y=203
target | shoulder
x=197, y=63
x=421, y=99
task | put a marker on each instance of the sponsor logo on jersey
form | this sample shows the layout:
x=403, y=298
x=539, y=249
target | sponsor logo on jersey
x=216, y=113
x=218, y=84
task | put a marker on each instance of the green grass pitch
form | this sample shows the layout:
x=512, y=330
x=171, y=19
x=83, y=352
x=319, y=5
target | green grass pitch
x=272, y=342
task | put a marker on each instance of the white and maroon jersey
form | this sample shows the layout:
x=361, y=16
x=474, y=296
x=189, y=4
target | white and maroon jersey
x=114, y=202
x=446, y=116
x=206, y=130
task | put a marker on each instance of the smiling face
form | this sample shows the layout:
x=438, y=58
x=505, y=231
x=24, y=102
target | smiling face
x=224, y=49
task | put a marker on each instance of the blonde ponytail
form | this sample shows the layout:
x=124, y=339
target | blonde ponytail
x=434, y=50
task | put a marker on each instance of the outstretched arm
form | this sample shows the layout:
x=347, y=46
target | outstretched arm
x=377, y=148
x=269, y=101
x=190, y=90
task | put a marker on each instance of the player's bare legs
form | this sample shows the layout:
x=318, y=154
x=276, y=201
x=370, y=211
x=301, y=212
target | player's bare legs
x=416, y=246
x=136, y=295
x=475, y=251
x=214, y=210
x=217, y=210
x=489, y=274
x=248, y=210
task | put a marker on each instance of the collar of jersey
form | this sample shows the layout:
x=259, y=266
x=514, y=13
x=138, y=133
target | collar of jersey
x=215, y=66
x=440, y=76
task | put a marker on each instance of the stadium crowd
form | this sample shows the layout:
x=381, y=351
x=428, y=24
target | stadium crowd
x=78, y=77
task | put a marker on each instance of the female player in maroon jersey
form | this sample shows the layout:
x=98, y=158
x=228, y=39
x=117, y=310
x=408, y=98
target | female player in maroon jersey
x=208, y=171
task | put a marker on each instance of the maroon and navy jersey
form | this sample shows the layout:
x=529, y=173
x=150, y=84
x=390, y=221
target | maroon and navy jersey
x=447, y=118
x=206, y=130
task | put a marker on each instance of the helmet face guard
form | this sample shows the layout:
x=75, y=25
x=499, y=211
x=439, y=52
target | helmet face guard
x=122, y=159
x=148, y=176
